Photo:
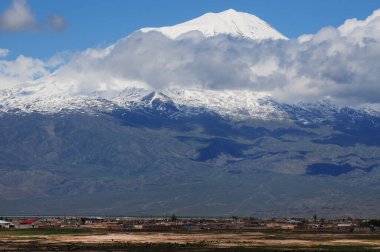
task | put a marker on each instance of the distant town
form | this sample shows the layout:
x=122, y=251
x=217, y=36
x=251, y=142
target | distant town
x=174, y=223
x=197, y=234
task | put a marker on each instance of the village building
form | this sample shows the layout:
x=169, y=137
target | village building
x=6, y=224
x=27, y=224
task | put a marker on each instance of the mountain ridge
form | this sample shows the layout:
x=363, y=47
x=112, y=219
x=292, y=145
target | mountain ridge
x=233, y=104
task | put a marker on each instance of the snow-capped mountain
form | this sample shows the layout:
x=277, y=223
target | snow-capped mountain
x=229, y=22
x=145, y=136
x=51, y=95
x=234, y=104
x=179, y=103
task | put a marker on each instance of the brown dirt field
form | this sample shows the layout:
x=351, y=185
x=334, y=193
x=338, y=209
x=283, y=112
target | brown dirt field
x=278, y=241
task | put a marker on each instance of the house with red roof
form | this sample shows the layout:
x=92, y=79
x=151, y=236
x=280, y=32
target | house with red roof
x=27, y=224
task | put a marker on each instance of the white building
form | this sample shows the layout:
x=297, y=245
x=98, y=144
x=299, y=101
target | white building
x=6, y=224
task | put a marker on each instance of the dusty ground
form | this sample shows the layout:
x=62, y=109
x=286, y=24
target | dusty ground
x=174, y=241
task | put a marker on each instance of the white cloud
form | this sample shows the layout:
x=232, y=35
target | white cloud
x=361, y=28
x=19, y=18
x=3, y=52
x=57, y=23
x=340, y=63
x=22, y=69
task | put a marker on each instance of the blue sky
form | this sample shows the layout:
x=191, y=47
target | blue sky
x=91, y=23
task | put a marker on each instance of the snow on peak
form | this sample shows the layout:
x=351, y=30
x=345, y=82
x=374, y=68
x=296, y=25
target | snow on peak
x=155, y=95
x=229, y=22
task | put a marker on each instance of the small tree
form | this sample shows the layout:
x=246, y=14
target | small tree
x=173, y=218
x=303, y=222
x=375, y=223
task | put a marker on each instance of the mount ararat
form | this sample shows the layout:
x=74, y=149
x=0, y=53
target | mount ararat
x=132, y=148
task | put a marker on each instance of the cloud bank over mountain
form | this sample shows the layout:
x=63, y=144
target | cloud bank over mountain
x=341, y=64
x=22, y=69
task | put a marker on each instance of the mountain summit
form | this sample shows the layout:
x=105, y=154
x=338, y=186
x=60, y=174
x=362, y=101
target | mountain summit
x=229, y=22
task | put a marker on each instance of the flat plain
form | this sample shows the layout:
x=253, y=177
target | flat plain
x=81, y=240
